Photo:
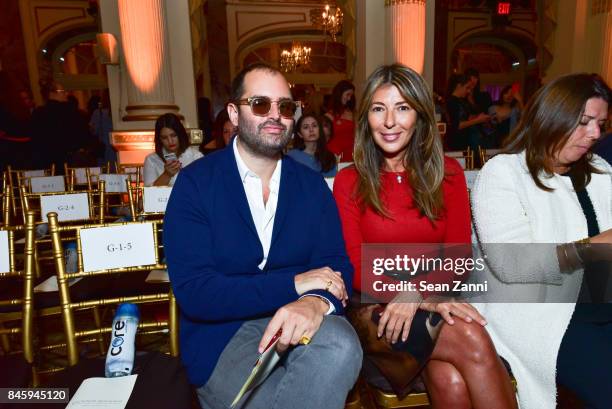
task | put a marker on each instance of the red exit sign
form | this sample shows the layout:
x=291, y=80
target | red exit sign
x=503, y=8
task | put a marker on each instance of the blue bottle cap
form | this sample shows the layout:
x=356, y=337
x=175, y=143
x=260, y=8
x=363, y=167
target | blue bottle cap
x=128, y=309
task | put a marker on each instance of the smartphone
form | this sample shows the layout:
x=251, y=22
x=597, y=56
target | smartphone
x=169, y=157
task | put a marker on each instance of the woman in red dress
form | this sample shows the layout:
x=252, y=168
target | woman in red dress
x=402, y=189
x=343, y=105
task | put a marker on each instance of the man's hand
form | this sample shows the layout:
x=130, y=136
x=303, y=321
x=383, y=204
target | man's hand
x=297, y=319
x=323, y=278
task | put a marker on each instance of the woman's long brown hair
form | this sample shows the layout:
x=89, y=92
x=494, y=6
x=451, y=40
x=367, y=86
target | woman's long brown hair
x=549, y=119
x=423, y=158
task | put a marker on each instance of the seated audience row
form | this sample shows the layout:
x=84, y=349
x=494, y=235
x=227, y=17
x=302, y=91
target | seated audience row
x=288, y=280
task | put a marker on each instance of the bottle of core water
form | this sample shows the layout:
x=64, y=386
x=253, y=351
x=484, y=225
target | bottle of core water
x=120, y=356
x=70, y=257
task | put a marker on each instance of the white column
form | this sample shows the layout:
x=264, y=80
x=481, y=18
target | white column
x=147, y=58
x=370, y=39
x=406, y=25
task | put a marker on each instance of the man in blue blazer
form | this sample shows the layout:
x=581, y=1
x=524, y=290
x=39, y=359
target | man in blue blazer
x=254, y=248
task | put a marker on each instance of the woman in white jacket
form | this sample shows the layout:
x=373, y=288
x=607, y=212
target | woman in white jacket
x=549, y=188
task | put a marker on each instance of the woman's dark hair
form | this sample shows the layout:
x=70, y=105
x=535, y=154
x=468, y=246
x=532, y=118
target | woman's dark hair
x=220, y=120
x=339, y=89
x=324, y=120
x=454, y=81
x=548, y=121
x=173, y=122
x=322, y=155
x=503, y=92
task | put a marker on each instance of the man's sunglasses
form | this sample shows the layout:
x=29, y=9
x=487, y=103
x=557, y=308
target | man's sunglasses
x=260, y=106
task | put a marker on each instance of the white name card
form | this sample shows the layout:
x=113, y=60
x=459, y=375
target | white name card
x=115, y=183
x=46, y=184
x=156, y=199
x=121, y=246
x=80, y=174
x=68, y=207
x=470, y=177
x=33, y=173
x=4, y=252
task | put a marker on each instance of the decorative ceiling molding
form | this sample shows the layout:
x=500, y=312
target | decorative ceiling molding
x=251, y=22
x=47, y=18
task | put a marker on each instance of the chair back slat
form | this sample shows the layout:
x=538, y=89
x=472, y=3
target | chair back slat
x=465, y=158
x=84, y=175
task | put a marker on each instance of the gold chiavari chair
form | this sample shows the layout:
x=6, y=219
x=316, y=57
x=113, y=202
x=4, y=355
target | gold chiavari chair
x=45, y=298
x=5, y=195
x=15, y=175
x=109, y=251
x=148, y=202
x=486, y=154
x=133, y=169
x=73, y=207
x=465, y=158
x=16, y=310
x=81, y=178
x=118, y=250
x=116, y=196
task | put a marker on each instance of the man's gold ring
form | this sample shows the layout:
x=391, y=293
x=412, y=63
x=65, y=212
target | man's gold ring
x=305, y=340
x=329, y=284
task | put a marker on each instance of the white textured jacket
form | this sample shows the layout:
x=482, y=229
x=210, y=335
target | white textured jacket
x=509, y=208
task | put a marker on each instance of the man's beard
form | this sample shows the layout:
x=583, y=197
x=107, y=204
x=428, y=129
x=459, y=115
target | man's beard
x=254, y=140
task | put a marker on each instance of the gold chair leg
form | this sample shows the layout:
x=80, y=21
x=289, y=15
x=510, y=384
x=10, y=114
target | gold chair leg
x=5, y=342
x=98, y=322
x=173, y=325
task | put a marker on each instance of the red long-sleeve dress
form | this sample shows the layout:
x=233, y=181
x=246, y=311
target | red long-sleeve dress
x=406, y=225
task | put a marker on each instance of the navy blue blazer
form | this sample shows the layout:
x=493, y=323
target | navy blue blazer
x=213, y=252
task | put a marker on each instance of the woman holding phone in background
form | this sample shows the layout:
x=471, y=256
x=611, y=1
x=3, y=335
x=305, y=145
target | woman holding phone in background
x=172, y=152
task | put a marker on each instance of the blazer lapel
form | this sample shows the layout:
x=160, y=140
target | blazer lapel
x=235, y=188
x=286, y=197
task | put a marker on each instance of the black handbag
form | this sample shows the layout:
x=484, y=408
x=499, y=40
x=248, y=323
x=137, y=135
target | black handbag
x=398, y=363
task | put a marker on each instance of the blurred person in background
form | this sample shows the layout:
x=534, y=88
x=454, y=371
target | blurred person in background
x=505, y=114
x=463, y=128
x=58, y=130
x=309, y=146
x=342, y=117
x=172, y=152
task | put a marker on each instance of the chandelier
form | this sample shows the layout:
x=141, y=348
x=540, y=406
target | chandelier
x=297, y=56
x=329, y=20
